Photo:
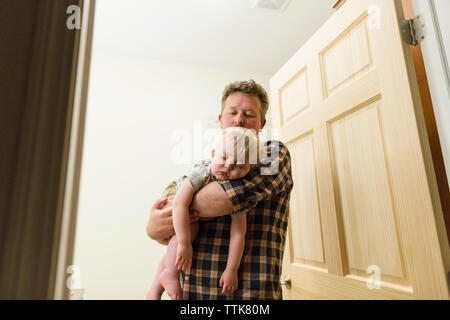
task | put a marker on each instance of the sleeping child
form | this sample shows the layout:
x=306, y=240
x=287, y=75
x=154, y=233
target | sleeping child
x=234, y=156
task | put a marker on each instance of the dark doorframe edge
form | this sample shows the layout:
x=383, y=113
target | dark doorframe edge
x=64, y=237
x=37, y=235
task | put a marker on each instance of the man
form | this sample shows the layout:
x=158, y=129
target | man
x=263, y=195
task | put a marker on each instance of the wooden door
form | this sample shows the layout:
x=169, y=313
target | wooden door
x=365, y=205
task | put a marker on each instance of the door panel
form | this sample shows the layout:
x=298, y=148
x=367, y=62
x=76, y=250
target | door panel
x=346, y=57
x=305, y=201
x=365, y=194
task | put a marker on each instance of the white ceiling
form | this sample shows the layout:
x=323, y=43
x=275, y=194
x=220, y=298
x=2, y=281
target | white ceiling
x=219, y=33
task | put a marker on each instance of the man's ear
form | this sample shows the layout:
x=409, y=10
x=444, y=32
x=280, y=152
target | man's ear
x=220, y=120
x=263, y=124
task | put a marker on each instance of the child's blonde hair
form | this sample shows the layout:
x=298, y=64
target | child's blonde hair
x=242, y=143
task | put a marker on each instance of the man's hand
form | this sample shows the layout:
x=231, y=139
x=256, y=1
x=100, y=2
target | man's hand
x=228, y=281
x=160, y=224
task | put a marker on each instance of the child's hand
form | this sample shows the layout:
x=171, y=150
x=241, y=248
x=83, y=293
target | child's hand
x=228, y=281
x=184, y=257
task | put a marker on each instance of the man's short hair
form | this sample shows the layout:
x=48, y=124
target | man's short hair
x=251, y=88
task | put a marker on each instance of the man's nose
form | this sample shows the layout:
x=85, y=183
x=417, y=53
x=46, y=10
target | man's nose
x=239, y=121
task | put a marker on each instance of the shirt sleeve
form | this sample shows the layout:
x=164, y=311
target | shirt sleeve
x=199, y=176
x=266, y=181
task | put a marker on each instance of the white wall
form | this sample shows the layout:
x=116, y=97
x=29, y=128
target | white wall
x=134, y=106
x=436, y=55
x=442, y=10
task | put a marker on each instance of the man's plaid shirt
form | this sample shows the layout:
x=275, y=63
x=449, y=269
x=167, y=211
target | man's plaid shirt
x=265, y=200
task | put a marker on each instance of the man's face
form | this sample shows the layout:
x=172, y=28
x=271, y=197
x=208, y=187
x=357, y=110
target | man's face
x=242, y=110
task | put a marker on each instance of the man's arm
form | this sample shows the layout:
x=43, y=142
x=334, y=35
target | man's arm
x=212, y=201
x=272, y=177
x=238, y=196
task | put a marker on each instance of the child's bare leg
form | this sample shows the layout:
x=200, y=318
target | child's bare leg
x=170, y=277
x=156, y=290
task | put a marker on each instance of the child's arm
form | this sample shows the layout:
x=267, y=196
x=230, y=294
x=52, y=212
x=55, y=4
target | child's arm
x=180, y=212
x=229, y=280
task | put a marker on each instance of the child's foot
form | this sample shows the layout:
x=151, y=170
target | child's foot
x=171, y=283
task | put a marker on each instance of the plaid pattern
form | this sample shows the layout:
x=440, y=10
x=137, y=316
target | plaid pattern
x=265, y=199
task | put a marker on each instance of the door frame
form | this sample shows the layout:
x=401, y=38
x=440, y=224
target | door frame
x=427, y=99
x=68, y=196
x=47, y=66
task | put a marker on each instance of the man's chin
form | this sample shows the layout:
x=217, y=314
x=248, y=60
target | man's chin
x=220, y=177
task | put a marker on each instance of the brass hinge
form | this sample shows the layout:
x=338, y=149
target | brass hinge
x=413, y=30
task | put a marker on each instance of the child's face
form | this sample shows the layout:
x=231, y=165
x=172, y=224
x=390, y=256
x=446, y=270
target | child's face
x=223, y=167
